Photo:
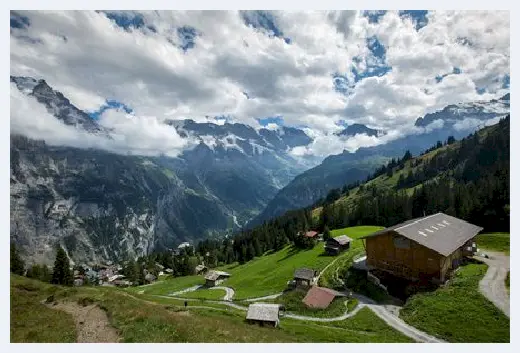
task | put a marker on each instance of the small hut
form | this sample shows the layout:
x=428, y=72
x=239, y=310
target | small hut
x=263, y=314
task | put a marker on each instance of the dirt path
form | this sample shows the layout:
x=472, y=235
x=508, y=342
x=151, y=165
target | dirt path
x=493, y=286
x=190, y=289
x=92, y=325
x=230, y=293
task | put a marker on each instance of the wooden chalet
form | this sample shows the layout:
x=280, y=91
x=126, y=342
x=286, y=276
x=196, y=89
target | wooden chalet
x=200, y=269
x=304, y=277
x=334, y=246
x=214, y=278
x=423, y=248
x=263, y=314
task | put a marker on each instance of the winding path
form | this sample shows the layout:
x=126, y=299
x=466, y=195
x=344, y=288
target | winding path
x=492, y=286
x=230, y=293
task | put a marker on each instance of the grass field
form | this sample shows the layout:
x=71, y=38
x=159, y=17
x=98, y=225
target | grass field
x=169, y=285
x=330, y=278
x=494, y=242
x=458, y=312
x=32, y=321
x=162, y=320
x=365, y=326
x=210, y=294
x=269, y=274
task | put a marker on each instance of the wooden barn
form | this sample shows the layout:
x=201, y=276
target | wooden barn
x=263, y=314
x=214, y=278
x=304, y=277
x=334, y=246
x=423, y=248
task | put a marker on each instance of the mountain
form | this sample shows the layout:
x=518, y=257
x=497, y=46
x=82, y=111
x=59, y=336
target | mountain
x=338, y=170
x=468, y=179
x=355, y=129
x=104, y=206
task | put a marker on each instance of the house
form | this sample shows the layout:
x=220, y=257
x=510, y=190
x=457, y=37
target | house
x=200, y=269
x=422, y=248
x=168, y=270
x=214, y=278
x=114, y=278
x=121, y=283
x=334, y=246
x=149, y=278
x=304, y=277
x=263, y=314
x=311, y=234
x=184, y=245
x=320, y=297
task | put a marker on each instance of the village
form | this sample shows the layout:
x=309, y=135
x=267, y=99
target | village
x=423, y=252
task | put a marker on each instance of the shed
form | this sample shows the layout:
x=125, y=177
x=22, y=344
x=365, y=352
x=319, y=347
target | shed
x=334, y=246
x=264, y=314
x=149, y=278
x=200, y=269
x=311, y=234
x=422, y=248
x=305, y=277
x=214, y=278
x=320, y=297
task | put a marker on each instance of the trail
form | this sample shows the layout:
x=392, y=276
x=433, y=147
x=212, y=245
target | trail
x=230, y=293
x=492, y=285
x=92, y=325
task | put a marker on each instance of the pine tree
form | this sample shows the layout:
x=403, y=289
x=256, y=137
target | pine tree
x=326, y=233
x=17, y=264
x=61, y=273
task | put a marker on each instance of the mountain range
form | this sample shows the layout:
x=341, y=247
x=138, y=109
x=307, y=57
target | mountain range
x=103, y=206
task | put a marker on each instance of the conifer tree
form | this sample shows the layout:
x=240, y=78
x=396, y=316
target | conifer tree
x=17, y=265
x=61, y=273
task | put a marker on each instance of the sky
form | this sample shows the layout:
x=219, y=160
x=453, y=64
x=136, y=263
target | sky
x=317, y=70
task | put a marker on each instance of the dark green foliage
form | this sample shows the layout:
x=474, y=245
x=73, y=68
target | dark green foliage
x=16, y=263
x=470, y=182
x=326, y=233
x=61, y=273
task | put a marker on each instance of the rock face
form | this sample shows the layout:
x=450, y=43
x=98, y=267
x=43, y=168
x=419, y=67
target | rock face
x=104, y=206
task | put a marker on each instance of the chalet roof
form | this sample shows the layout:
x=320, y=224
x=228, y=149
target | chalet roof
x=214, y=275
x=320, y=297
x=304, y=273
x=263, y=312
x=199, y=267
x=311, y=234
x=442, y=233
x=342, y=239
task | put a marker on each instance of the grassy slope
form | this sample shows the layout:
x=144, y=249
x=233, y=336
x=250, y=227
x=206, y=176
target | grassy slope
x=169, y=285
x=160, y=320
x=365, y=326
x=494, y=242
x=458, y=312
x=269, y=274
x=329, y=277
x=32, y=321
x=213, y=294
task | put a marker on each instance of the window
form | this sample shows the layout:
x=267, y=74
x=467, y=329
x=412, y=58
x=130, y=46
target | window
x=401, y=243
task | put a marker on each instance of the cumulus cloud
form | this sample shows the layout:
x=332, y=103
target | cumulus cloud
x=129, y=134
x=200, y=64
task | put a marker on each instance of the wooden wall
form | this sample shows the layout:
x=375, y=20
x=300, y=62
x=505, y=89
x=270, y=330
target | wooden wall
x=413, y=262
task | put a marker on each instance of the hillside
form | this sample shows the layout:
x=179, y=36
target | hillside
x=335, y=171
x=163, y=320
x=467, y=178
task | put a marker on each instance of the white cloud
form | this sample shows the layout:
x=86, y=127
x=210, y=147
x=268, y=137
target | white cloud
x=134, y=135
x=90, y=59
